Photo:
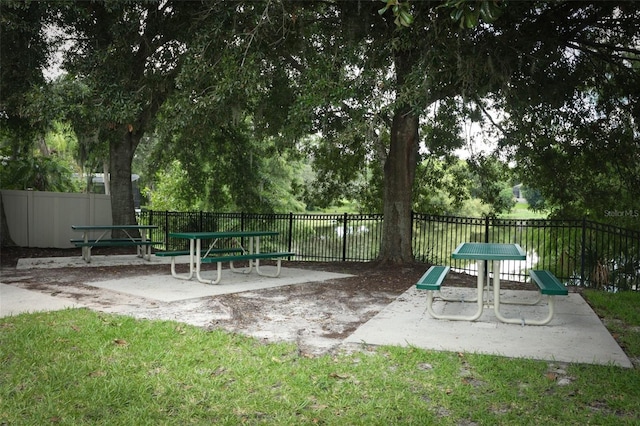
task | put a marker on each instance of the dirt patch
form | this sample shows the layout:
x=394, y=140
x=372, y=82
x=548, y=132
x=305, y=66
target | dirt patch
x=317, y=316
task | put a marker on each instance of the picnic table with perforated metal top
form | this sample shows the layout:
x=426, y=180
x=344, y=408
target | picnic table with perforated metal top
x=481, y=252
x=489, y=251
x=241, y=250
x=494, y=253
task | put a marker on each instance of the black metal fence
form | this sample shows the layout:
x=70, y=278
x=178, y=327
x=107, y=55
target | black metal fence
x=579, y=252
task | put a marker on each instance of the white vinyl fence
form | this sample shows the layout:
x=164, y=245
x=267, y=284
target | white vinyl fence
x=44, y=219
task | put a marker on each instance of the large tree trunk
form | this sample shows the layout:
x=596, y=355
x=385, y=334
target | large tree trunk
x=399, y=172
x=121, y=152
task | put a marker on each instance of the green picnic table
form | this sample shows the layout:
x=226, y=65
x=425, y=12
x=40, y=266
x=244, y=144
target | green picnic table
x=142, y=243
x=496, y=253
x=249, y=251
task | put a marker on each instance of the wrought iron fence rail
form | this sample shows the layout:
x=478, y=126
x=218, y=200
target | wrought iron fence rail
x=580, y=252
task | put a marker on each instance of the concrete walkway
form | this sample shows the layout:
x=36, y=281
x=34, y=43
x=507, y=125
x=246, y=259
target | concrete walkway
x=575, y=334
x=15, y=300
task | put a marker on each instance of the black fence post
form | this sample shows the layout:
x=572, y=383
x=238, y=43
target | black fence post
x=166, y=229
x=583, y=251
x=486, y=229
x=149, y=215
x=344, y=239
x=486, y=240
x=290, y=236
x=242, y=227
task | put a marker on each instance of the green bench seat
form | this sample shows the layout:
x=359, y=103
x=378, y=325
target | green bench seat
x=218, y=260
x=248, y=256
x=432, y=279
x=211, y=252
x=143, y=247
x=548, y=285
x=116, y=243
x=75, y=241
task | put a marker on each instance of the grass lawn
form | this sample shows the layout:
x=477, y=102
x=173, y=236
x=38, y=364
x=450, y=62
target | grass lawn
x=521, y=211
x=81, y=367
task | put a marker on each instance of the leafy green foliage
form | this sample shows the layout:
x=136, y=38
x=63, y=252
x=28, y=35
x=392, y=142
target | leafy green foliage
x=74, y=101
x=572, y=108
x=125, y=57
x=227, y=169
x=441, y=187
x=228, y=121
x=47, y=167
x=493, y=184
x=171, y=191
x=233, y=90
x=401, y=10
x=470, y=13
x=23, y=54
x=534, y=199
x=41, y=173
x=442, y=131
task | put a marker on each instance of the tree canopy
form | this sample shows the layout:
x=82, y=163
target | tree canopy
x=231, y=99
x=572, y=105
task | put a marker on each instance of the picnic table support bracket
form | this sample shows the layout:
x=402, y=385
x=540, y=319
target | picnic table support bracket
x=86, y=249
x=174, y=274
x=479, y=300
x=548, y=286
x=257, y=265
x=537, y=300
x=277, y=273
x=246, y=270
x=199, y=263
x=523, y=321
x=252, y=262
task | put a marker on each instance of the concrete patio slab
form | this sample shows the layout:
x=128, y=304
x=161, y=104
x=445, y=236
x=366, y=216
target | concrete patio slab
x=576, y=334
x=166, y=288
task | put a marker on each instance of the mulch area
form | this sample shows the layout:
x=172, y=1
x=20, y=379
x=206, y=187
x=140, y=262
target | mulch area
x=370, y=275
x=331, y=312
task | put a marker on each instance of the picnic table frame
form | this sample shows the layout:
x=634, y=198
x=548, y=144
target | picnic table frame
x=143, y=244
x=196, y=256
x=484, y=253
